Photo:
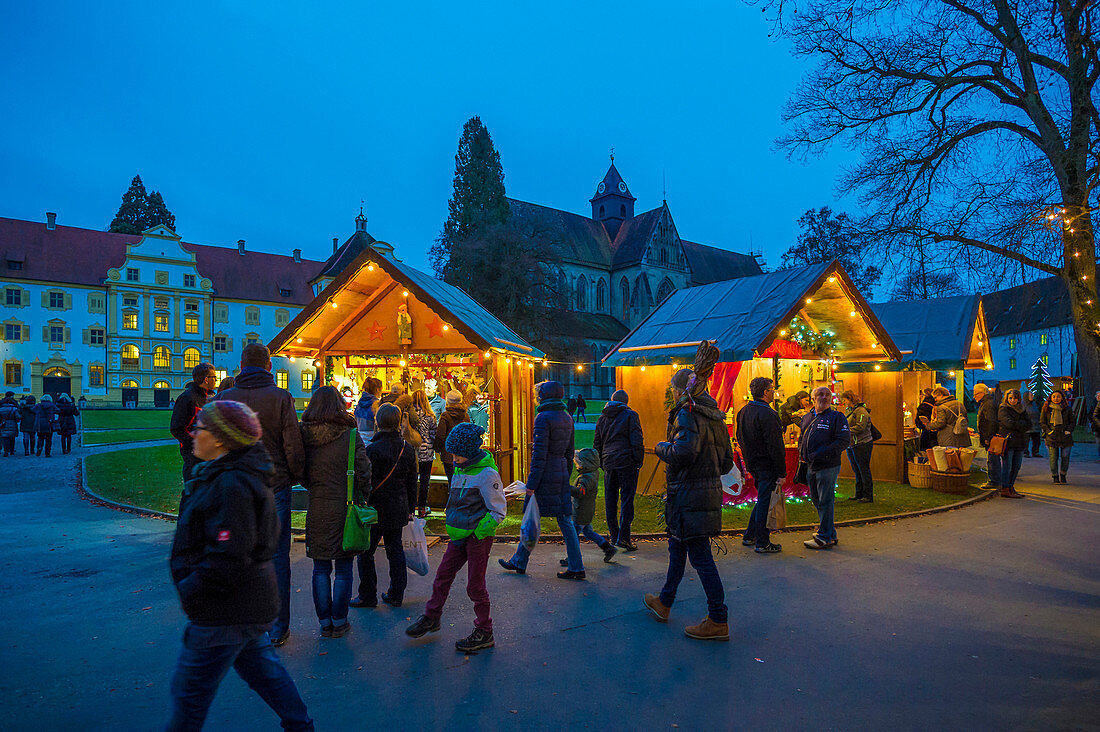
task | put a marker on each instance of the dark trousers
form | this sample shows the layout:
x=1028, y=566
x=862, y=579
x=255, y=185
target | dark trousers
x=1033, y=437
x=281, y=560
x=45, y=440
x=619, y=484
x=580, y=415
x=425, y=481
x=28, y=443
x=9, y=445
x=697, y=551
x=449, y=469
x=204, y=661
x=395, y=557
x=475, y=554
x=757, y=530
x=189, y=463
x=860, y=459
x=66, y=444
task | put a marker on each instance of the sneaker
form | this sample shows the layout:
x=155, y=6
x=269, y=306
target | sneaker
x=659, y=609
x=326, y=631
x=627, y=546
x=769, y=549
x=563, y=562
x=360, y=602
x=479, y=640
x=507, y=564
x=339, y=631
x=708, y=630
x=853, y=498
x=571, y=575
x=817, y=543
x=746, y=541
x=422, y=625
x=866, y=500
x=280, y=640
x=393, y=602
x=609, y=553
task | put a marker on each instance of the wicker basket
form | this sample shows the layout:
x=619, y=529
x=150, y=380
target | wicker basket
x=949, y=482
x=919, y=475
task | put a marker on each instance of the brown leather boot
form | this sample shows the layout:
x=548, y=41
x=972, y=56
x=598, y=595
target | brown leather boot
x=659, y=610
x=708, y=630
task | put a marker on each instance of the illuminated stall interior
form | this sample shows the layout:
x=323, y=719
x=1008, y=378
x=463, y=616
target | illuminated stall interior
x=795, y=324
x=385, y=319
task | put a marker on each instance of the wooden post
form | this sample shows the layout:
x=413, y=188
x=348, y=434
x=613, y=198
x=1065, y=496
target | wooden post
x=960, y=385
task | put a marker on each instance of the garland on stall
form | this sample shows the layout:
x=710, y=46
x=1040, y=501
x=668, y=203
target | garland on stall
x=822, y=343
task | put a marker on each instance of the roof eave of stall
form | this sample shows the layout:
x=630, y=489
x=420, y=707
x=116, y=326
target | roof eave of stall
x=476, y=324
x=791, y=293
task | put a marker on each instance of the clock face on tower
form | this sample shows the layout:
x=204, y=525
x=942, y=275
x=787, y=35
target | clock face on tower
x=622, y=187
x=601, y=187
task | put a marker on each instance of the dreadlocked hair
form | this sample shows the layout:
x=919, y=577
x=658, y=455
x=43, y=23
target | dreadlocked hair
x=706, y=356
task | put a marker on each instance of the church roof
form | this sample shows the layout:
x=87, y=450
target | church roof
x=711, y=264
x=578, y=238
x=611, y=186
x=588, y=326
x=632, y=238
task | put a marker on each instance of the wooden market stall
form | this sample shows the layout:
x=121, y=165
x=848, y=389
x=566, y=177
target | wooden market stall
x=382, y=318
x=791, y=325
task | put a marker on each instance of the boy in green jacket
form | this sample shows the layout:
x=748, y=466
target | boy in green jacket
x=475, y=507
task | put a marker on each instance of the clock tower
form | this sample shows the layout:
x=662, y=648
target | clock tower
x=612, y=203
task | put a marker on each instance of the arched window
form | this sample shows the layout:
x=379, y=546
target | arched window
x=161, y=385
x=130, y=356
x=601, y=211
x=582, y=293
x=664, y=258
x=622, y=210
x=191, y=357
x=601, y=295
x=665, y=289
x=161, y=358
x=129, y=384
x=57, y=371
x=624, y=295
x=642, y=296
x=597, y=371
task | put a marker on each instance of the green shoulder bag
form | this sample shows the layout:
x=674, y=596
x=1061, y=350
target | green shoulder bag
x=358, y=518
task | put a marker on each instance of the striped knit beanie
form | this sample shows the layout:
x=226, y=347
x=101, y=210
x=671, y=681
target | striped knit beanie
x=234, y=424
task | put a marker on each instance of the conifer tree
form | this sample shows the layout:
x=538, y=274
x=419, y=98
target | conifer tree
x=140, y=210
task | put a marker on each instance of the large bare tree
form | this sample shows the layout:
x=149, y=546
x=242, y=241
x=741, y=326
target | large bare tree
x=977, y=125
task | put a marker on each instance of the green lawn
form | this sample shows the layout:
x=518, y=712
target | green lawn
x=102, y=419
x=144, y=476
x=113, y=437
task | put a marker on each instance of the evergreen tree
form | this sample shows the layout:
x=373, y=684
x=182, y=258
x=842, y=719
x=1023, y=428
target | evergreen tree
x=826, y=237
x=140, y=210
x=478, y=197
x=1040, y=384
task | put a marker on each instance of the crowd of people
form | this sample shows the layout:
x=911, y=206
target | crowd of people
x=38, y=420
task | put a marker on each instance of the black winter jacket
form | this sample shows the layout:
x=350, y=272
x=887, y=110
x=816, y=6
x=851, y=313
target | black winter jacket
x=698, y=453
x=27, y=415
x=452, y=415
x=326, y=479
x=787, y=411
x=66, y=417
x=824, y=438
x=761, y=439
x=193, y=399
x=9, y=418
x=1056, y=435
x=987, y=418
x=225, y=538
x=552, y=460
x=394, y=498
x=45, y=414
x=275, y=408
x=1013, y=426
x=618, y=438
x=1094, y=418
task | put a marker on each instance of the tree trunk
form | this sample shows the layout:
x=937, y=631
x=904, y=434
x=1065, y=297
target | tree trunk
x=1079, y=276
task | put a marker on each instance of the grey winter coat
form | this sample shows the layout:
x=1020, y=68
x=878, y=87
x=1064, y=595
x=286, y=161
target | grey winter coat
x=587, y=486
x=326, y=467
x=947, y=411
x=45, y=415
x=9, y=418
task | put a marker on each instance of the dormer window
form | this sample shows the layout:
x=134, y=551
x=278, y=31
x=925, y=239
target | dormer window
x=15, y=264
x=283, y=292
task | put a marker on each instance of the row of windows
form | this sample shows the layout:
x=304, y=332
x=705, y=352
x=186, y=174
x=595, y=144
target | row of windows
x=131, y=356
x=13, y=373
x=161, y=278
x=1045, y=358
x=1044, y=339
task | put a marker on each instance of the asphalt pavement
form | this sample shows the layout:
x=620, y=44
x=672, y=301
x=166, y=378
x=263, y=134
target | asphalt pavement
x=986, y=617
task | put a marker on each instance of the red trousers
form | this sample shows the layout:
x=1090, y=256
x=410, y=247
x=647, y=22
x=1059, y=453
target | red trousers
x=475, y=553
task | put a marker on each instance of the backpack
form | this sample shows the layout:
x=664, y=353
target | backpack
x=961, y=427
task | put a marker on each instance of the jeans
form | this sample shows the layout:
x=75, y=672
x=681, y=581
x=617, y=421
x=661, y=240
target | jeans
x=66, y=444
x=757, y=530
x=204, y=660
x=331, y=599
x=281, y=560
x=1055, y=454
x=822, y=484
x=572, y=545
x=696, y=550
x=475, y=554
x=593, y=536
x=9, y=445
x=994, y=468
x=395, y=557
x=425, y=481
x=28, y=442
x=45, y=439
x=1034, y=438
x=860, y=459
x=1010, y=466
x=619, y=484
x=580, y=415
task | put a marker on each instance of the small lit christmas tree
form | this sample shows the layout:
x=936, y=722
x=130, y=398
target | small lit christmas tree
x=1040, y=384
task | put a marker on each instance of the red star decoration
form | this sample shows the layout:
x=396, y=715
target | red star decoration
x=376, y=331
x=435, y=328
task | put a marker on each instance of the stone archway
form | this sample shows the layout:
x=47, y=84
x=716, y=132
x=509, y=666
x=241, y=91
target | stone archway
x=57, y=376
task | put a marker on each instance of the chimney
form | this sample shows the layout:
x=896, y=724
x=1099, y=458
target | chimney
x=334, y=245
x=51, y=220
x=240, y=247
x=297, y=255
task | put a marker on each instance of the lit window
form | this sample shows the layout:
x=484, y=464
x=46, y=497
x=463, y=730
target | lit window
x=1012, y=363
x=191, y=324
x=191, y=358
x=220, y=374
x=131, y=274
x=160, y=323
x=307, y=380
x=13, y=373
x=13, y=297
x=97, y=336
x=129, y=384
x=161, y=358
x=129, y=321
x=1011, y=342
x=281, y=379
x=57, y=334
x=162, y=385
x=13, y=331
x=95, y=375
x=1046, y=359
x=188, y=280
x=1044, y=339
x=251, y=315
x=57, y=300
x=130, y=355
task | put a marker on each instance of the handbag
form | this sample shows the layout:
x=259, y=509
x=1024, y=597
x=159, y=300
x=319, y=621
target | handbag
x=875, y=434
x=996, y=445
x=358, y=518
x=800, y=472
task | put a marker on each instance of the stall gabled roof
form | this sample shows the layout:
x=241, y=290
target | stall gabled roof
x=744, y=316
x=935, y=335
x=354, y=290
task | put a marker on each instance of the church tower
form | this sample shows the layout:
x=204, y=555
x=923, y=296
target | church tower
x=612, y=204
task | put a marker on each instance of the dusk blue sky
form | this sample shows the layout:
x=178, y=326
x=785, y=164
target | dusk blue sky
x=269, y=122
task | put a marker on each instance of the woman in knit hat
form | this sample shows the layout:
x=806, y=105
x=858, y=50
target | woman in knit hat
x=454, y=413
x=226, y=536
x=548, y=480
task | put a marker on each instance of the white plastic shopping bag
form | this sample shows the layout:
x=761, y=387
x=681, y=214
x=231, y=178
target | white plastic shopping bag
x=515, y=489
x=416, y=546
x=530, y=528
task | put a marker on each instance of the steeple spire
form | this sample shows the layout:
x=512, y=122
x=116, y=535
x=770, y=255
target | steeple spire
x=613, y=202
x=361, y=219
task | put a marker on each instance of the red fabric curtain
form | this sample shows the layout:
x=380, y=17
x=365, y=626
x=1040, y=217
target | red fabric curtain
x=722, y=381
